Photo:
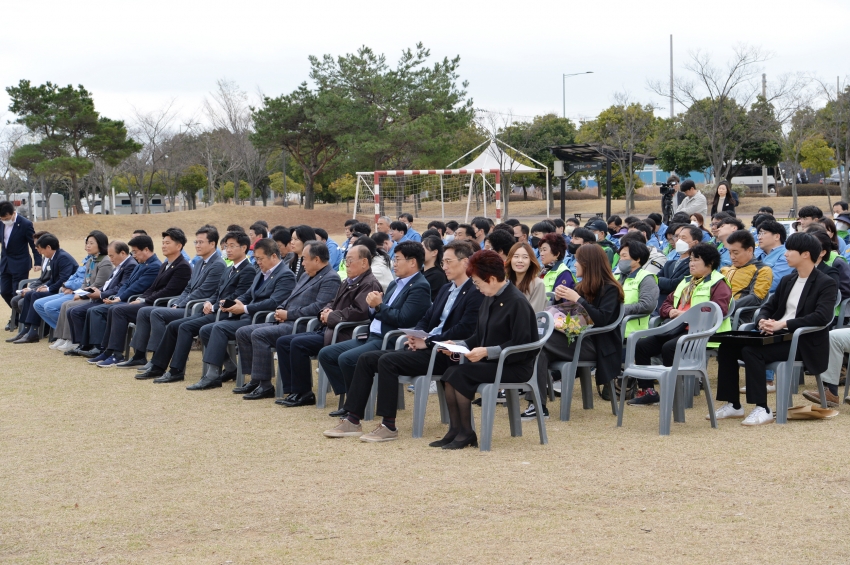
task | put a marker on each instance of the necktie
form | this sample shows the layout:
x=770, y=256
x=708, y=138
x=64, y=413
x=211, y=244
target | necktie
x=233, y=271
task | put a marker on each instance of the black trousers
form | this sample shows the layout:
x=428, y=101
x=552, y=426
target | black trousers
x=88, y=323
x=389, y=365
x=150, y=325
x=176, y=342
x=120, y=316
x=293, y=359
x=652, y=346
x=28, y=313
x=215, y=337
x=9, y=282
x=557, y=349
x=755, y=358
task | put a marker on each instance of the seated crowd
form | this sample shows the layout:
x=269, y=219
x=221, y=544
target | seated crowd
x=249, y=297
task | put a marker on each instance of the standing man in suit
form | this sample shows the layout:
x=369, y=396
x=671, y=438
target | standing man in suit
x=152, y=320
x=171, y=279
x=143, y=276
x=176, y=342
x=806, y=297
x=272, y=286
x=452, y=316
x=405, y=302
x=312, y=292
x=123, y=267
x=18, y=254
x=59, y=269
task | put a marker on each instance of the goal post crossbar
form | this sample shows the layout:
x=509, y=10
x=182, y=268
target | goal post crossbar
x=377, y=175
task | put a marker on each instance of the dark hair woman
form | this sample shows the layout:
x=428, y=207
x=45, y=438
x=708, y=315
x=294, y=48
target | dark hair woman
x=433, y=268
x=600, y=295
x=725, y=199
x=521, y=269
x=553, y=249
x=505, y=318
x=300, y=235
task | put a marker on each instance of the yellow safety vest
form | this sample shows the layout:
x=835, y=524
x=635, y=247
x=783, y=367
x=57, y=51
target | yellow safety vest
x=702, y=293
x=833, y=255
x=550, y=277
x=631, y=290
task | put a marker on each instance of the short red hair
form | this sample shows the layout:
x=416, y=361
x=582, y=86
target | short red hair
x=486, y=264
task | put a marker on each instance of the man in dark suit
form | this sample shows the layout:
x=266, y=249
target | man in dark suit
x=452, y=316
x=171, y=279
x=272, y=286
x=123, y=267
x=60, y=265
x=141, y=279
x=349, y=305
x=312, y=292
x=152, y=320
x=806, y=297
x=405, y=302
x=176, y=342
x=31, y=286
x=17, y=250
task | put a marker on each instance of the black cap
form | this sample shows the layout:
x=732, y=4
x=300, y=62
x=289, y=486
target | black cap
x=597, y=225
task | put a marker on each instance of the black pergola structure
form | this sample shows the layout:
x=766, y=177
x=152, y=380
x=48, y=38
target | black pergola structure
x=586, y=157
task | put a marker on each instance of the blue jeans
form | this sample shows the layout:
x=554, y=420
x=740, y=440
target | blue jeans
x=340, y=359
x=49, y=306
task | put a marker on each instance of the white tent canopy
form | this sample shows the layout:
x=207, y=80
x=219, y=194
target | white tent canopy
x=494, y=158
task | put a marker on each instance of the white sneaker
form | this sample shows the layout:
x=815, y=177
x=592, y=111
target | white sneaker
x=433, y=388
x=758, y=417
x=68, y=346
x=57, y=344
x=556, y=386
x=770, y=388
x=727, y=411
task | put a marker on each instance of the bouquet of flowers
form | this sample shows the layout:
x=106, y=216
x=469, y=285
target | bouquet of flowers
x=571, y=319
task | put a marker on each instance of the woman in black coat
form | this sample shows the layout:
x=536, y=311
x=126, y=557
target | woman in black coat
x=600, y=295
x=724, y=199
x=505, y=318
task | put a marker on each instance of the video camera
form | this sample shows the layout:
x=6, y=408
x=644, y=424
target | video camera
x=665, y=188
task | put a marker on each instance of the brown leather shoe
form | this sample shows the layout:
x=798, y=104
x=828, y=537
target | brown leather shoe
x=832, y=400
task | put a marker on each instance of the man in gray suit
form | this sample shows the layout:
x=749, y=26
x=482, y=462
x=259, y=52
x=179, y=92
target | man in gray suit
x=272, y=286
x=313, y=292
x=152, y=320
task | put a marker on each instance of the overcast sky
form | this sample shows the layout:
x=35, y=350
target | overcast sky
x=143, y=54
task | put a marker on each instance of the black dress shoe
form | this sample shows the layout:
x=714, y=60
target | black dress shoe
x=152, y=373
x=341, y=413
x=259, y=393
x=91, y=353
x=303, y=399
x=286, y=399
x=170, y=377
x=147, y=366
x=9, y=327
x=76, y=352
x=27, y=338
x=246, y=388
x=461, y=443
x=16, y=338
x=205, y=384
x=441, y=442
x=228, y=376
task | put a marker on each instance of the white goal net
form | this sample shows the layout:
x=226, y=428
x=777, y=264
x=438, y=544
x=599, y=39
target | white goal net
x=443, y=194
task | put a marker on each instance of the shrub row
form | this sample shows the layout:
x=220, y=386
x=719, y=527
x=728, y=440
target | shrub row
x=810, y=190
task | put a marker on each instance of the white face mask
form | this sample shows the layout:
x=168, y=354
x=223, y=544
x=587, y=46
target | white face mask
x=569, y=229
x=841, y=226
x=449, y=238
x=8, y=222
x=835, y=214
x=695, y=223
x=598, y=237
x=682, y=247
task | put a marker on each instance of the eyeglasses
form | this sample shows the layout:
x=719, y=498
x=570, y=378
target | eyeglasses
x=200, y=242
x=231, y=246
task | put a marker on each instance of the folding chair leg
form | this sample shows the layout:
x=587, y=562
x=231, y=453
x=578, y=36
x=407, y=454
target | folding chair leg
x=550, y=384
x=512, y=400
x=613, y=397
x=667, y=390
x=278, y=384
x=420, y=404
x=709, y=400
x=783, y=392
x=679, y=400
x=821, y=391
x=441, y=397
x=488, y=414
x=321, y=389
x=240, y=376
x=587, y=388
x=400, y=404
x=689, y=385
x=541, y=420
x=568, y=383
x=847, y=381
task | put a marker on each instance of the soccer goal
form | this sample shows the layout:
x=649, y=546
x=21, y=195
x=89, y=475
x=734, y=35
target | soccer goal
x=440, y=193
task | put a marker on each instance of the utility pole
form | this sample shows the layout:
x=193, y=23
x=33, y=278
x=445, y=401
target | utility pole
x=763, y=168
x=672, y=114
x=564, y=78
x=285, y=159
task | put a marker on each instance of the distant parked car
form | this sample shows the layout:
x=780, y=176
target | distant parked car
x=832, y=179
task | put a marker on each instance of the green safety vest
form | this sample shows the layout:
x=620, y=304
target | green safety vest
x=833, y=255
x=550, y=277
x=702, y=293
x=631, y=290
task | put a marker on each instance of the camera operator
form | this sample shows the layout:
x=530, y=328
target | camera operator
x=694, y=201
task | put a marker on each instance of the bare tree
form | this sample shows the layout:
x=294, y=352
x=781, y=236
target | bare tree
x=722, y=104
x=835, y=126
x=152, y=129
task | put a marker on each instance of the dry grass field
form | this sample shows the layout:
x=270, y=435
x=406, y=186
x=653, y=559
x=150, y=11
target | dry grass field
x=97, y=467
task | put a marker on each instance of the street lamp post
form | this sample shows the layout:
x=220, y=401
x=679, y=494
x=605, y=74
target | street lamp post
x=564, y=87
